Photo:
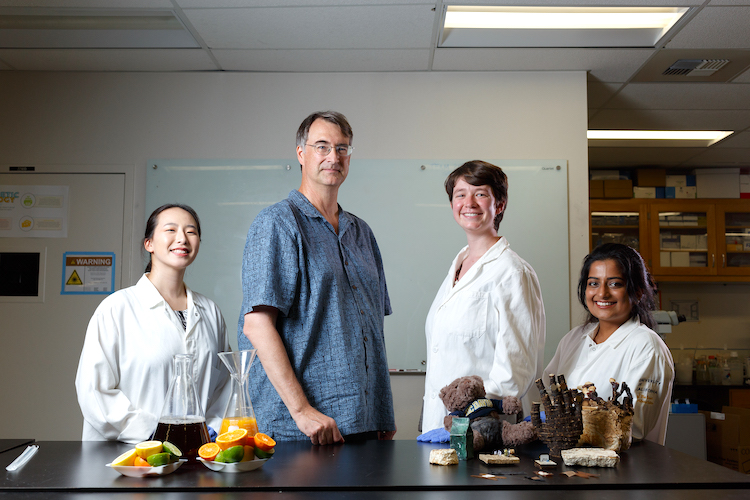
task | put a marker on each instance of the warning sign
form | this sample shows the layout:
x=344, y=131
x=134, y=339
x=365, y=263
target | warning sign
x=88, y=273
x=74, y=279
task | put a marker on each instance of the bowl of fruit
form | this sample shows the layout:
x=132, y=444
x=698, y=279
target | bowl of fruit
x=149, y=458
x=235, y=451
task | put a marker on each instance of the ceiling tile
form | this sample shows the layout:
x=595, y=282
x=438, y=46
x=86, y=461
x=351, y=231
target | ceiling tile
x=721, y=157
x=185, y=4
x=649, y=119
x=715, y=27
x=709, y=96
x=108, y=59
x=736, y=140
x=90, y=4
x=743, y=78
x=366, y=27
x=599, y=93
x=605, y=65
x=323, y=60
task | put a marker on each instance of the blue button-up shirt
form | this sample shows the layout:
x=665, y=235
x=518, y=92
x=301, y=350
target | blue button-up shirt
x=332, y=298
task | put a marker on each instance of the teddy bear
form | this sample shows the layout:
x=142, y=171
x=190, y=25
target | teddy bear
x=466, y=397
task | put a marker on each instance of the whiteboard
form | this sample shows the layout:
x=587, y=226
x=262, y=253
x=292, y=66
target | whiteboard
x=405, y=204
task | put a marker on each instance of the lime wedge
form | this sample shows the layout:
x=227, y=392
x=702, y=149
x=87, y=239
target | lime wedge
x=172, y=449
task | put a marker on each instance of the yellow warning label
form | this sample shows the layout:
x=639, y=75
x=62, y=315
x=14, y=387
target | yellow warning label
x=74, y=279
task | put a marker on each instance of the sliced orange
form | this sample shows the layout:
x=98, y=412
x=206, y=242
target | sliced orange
x=264, y=442
x=231, y=438
x=139, y=462
x=209, y=451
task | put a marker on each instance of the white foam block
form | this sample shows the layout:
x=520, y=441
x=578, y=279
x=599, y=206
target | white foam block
x=590, y=457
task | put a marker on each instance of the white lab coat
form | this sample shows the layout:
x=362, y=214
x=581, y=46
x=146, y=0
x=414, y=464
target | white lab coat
x=126, y=362
x=634, y=354
x=490, y=324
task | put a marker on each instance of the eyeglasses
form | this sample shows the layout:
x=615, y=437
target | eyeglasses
x=325, y=149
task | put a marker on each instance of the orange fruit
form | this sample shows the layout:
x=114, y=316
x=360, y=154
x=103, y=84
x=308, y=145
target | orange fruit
x=231, y=438
x=139, y=462
x=264, y=442
x=209, y=451
x=249, y=441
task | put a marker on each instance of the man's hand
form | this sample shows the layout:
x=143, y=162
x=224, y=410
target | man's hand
x=260, y=329
x=320, y=428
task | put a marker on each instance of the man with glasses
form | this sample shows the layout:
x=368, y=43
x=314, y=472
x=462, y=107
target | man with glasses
x=314, y=302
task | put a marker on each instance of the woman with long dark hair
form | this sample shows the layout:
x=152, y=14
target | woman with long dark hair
x=617, y=341
x=125, y=366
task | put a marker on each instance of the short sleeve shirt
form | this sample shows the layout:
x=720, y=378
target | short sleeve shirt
x=331, y=295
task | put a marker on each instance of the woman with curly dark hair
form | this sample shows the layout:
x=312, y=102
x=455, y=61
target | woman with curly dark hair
x=617, y=340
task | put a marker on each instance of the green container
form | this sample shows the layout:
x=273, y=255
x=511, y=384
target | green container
x=462, y=438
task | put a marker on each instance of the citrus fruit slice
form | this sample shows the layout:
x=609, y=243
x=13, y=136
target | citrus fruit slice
x=172, y=449
x=264, y=454
x=231, y=438
x=159, y=459
x=148, y=448
x=264, y=441
x=126, y=458
x=209, y=451
x=234, y=454
x=139, y=462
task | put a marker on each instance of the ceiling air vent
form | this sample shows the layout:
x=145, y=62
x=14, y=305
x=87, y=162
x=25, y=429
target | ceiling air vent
x=695, y=67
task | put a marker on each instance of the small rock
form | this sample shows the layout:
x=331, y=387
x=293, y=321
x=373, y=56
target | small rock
x=590, y=457
x=444, y=456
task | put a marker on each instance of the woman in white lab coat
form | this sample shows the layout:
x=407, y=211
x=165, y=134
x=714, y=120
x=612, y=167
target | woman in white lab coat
x=617, y=340
x=126, y=362
x=487, y=318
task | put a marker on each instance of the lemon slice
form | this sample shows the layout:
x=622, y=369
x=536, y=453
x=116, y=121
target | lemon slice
x=126, y=458
x=148, y=448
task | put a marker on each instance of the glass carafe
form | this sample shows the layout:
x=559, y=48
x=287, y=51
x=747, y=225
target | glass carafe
x=182, y=421
x=239, y=412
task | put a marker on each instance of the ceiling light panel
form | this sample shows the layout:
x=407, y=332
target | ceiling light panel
x=655, y=138
x=468, y=26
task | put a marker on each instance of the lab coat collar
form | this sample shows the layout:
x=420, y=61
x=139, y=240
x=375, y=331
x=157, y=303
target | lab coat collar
x=616, y=338
x=492, y=254
x=152, y=299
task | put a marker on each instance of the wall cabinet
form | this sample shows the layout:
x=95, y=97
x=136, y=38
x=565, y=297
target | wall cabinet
x=681, y=240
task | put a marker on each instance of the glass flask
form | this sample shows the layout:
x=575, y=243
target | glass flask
x=182, y=421
x=239, y=412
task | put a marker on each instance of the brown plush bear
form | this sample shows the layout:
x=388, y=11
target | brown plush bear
x=465, y=397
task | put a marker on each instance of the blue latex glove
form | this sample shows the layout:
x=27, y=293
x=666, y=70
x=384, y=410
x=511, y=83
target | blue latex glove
x=541, y=415
x=435, y=436
x=212, y=434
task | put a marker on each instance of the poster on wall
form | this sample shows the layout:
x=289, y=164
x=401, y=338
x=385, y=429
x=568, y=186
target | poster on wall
x=33, y=211
x=88, y=273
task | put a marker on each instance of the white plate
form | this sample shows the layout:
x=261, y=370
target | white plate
x=162, y=470
x=235, y=467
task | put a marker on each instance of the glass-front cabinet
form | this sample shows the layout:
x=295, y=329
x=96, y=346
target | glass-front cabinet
x=684, y=236
x=619, y=221
x=734, y=247
x=680, y=240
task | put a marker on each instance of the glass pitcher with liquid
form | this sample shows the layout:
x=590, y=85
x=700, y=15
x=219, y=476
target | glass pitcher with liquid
x=239, y=412
x=182, y=421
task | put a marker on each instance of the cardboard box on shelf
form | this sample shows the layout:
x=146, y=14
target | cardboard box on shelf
x=676, y=180
x=680, y=259
x=664, y=259
x=688, y=241
x=602, y=175
x=685, y=192
x=718, y=182
x=596, y=189
x=651, y=177
x=644, y=192
x=618, y=189
x=744, y=186
x=728, y=438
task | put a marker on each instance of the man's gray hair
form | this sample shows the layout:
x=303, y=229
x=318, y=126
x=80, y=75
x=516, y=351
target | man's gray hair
x=329, y=116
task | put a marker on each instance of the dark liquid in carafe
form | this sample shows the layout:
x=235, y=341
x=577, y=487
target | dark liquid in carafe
x=187, y=434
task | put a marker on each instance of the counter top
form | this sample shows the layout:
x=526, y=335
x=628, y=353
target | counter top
x=364, y=469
